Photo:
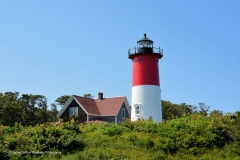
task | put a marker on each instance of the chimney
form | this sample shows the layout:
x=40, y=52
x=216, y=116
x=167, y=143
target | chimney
x=100, y=96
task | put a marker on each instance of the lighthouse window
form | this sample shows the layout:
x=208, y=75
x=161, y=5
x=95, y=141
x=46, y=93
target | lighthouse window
x=145, y=44
x=137, y=110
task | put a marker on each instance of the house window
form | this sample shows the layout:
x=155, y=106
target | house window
x=123, y=113
x=137, y=109
x=73, y=111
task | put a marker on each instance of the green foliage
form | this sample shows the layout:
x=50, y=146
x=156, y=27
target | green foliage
x=214, y=112
x=41, y=138
x=52, y=114
x=171, y=110
x=204, y=109
x=62, y=100
x=88, y=95
x=147, y=126
x=26, y=109
x=112, y=129
x=10, y=107
x=192, y=136
x=35, y=109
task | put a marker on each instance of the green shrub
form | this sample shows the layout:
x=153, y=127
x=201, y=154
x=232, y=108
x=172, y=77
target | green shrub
x=190, y=137
x=112, y=129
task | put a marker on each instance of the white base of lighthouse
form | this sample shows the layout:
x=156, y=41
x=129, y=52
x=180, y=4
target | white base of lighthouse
x=146, y=102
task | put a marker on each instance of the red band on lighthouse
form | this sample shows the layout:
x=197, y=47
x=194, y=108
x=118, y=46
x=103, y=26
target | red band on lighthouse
x=145, y=70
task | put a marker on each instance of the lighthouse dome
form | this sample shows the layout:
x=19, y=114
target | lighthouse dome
x=145, y=38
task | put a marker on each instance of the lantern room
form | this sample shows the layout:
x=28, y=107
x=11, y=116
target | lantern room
x=145, y=46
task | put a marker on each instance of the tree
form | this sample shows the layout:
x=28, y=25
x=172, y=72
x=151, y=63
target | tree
x=88, y=95
x=216, y=112
x=52, y=114
x=54, y=108
x=10, y=108
x=170, y=110
x=35, y=109
x=204, y=109
x=62, y=100
x=27, y=109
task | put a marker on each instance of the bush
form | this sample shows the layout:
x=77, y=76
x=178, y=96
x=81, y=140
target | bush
x=195, y=136
x=48, y=137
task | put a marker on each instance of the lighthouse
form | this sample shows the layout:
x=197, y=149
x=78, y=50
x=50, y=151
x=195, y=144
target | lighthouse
x=146, y=93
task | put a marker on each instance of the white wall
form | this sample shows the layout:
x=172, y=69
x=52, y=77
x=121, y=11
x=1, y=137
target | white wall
x=148, y=97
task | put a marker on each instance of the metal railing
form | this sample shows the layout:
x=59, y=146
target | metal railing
x=132, y=51
x=154, y=51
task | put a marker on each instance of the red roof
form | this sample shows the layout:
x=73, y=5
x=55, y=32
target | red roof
x=106, y=106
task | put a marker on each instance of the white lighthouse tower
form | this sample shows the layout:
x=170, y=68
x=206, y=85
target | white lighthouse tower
x=146, y=93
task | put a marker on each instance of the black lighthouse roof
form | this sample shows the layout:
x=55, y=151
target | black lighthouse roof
x=145, y=38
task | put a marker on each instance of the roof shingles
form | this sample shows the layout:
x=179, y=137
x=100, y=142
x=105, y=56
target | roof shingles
x=104, y=107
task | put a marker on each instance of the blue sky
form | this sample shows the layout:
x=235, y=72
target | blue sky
x=57, y=47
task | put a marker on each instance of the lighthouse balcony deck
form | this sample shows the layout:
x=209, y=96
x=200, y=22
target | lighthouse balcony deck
x=145, y=50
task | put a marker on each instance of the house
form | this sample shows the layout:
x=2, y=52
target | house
x=113, y=109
